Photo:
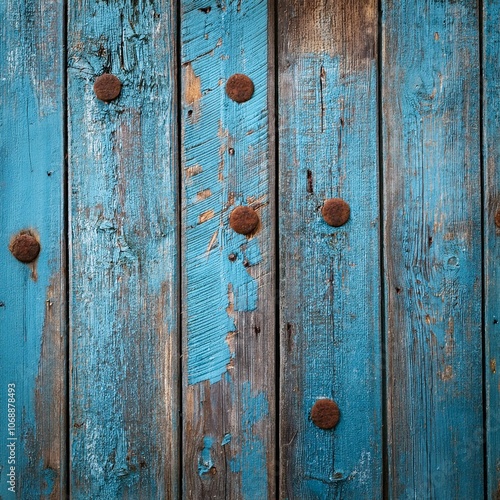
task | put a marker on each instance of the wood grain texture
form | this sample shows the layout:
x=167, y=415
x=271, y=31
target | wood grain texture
x=432, y=243
x=228, y=298
x=32, y=296
x=491, y=155
x=329, y=277
x=124, y=307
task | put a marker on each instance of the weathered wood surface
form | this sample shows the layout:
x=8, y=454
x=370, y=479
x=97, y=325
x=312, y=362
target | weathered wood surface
x=397, y=137
x=329, y=277
x=432, y=244
x=228, y=298
x=32, y=296
x=124, y=292
x=491, y=155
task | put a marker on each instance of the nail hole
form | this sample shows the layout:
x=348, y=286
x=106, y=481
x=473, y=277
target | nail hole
x=309, y=181
x=246, y=263
x=190, y=113
x=206, y=10
x=231, y=151
x=232, y=257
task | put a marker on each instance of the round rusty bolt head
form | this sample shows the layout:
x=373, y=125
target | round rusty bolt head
x=239, y=88
x=325, y=414
x=24, y=247
x=244, y=220
x=107, y=87
x=336, y=212
x=497, y=218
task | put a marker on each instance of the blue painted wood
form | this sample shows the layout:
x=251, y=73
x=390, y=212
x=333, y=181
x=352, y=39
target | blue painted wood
x=32, y=296
x=491, y=180
x=124, y=302
x=125, y=225
x=228, y=303
x=432, y=243
x=329, y=277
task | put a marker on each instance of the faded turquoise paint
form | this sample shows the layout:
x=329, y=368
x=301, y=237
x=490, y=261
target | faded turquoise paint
x=491, y=180
x=251, y=461
x=124, y=223
x=329, y=279
x=228, y=299
x=215, y=181
x=123, y=185
x=32, y=297
x=205, y=462
x=432, y=242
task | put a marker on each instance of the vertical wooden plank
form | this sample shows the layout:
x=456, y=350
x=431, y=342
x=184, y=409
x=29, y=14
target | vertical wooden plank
x=123, y=177
x=32, y=296
x=329, y=276
x=491, y=155
x=228, y=307
x=432, y=242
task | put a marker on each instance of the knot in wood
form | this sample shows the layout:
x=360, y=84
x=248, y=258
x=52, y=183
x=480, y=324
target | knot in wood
x=239, y=88
x=325, y=414
x=107, y=87
x=24, y=247
x=336, y=212
x=244, y=220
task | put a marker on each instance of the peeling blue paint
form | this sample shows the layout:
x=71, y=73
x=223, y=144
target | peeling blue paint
x=330, y=276
x=31, y=197
x=432, y=217
x=205, y=462
x=124, y=257
x=226, y=439
x=215, y=286
x=491, y=179
x=251, y=461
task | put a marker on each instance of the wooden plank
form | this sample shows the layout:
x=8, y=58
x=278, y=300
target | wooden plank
x=329, y=276
x=228, y=305
x=123, y=166
x=491, y=183
x=432, y=242
x=32, y=296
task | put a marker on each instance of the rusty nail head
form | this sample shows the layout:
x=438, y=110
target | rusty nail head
x=239, y=88
x=244, y=220
x=325, y=414
x=232, y=257
x=336, y=212
x=107, y=87
x=24, y=247
x=497, y=218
